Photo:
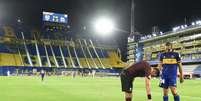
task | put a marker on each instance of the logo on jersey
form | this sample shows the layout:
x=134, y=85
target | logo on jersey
x=169, y=61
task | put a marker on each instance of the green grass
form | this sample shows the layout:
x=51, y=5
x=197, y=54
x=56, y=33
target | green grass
x=85, y=89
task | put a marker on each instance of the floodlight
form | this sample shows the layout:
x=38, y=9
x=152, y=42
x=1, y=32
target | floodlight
x=104, y=26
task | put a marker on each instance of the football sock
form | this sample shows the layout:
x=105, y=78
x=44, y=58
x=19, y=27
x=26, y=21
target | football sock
x=176, y=98
x=165, y=98
x=128, y=99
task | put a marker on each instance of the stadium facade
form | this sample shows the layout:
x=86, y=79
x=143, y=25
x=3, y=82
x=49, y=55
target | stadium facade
x=186, y=40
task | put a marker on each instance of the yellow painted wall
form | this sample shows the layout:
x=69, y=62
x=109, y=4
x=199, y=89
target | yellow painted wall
x=115, y=60
x=10, y=60
x=14, y=60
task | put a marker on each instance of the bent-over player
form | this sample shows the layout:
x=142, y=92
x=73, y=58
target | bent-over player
x=139, y=69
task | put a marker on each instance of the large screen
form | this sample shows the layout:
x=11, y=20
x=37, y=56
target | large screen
x=55, y=17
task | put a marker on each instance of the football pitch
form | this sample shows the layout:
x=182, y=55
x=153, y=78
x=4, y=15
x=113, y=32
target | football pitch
x=86, y=89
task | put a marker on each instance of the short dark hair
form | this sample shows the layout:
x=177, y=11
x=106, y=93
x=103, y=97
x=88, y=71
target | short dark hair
x=157, y=71
x=168, y=44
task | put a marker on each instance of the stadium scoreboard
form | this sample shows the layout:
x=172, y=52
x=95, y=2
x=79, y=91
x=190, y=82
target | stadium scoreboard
x=55, y=17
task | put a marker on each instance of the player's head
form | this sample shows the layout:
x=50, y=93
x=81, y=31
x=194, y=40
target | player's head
x=155, y=72
x=168, y=46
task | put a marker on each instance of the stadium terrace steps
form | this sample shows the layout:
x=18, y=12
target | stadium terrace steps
x=109, y=59
x=13, y=50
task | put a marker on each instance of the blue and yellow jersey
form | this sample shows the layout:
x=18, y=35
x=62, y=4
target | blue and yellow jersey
x=170, y=62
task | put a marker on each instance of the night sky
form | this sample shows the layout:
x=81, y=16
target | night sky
x=148, y=13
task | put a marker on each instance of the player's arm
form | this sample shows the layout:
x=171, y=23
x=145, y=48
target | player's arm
x=160, y=67
x=180, y=68
x=148, y=87
x=181, y=72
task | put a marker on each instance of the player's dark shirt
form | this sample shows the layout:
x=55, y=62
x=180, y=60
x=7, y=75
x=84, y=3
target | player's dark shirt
x=139, y=69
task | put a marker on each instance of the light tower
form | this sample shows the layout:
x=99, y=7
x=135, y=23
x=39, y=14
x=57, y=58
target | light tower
x=131, y=49
x=132, y=17
x=134, y=49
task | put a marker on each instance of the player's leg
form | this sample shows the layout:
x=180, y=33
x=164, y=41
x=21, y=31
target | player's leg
x=164, y=83
x=173, y=84
x=42, y=77
x=165, y=94
x=128, y=91
x=175, y=94
x=127, y=86
x=128, y=96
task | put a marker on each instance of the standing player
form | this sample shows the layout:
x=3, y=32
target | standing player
x=8, y=73
x=169, y=61
x=93, y=73
x=140, y=69
x=42, y=73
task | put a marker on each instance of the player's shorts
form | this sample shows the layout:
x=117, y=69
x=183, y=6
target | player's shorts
x=126, y=82
x=166, y=82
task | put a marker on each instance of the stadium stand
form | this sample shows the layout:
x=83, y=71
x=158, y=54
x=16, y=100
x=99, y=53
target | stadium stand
x=21, y=50
x=186, y=41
